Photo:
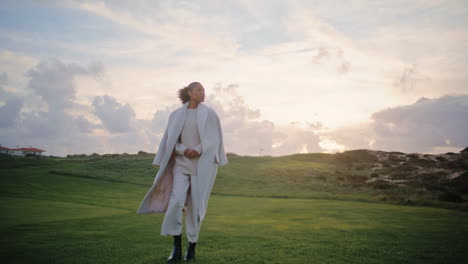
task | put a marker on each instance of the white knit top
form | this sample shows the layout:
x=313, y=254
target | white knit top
x=189, y=138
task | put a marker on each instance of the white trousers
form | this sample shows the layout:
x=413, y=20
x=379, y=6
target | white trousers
x=172, y=223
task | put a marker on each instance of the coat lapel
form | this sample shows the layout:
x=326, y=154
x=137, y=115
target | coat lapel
x=202, y=114
x=181, y=120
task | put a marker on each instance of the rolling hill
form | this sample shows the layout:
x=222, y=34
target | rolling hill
x=304, y=208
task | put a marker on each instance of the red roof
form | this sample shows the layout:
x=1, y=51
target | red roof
x=26, y=149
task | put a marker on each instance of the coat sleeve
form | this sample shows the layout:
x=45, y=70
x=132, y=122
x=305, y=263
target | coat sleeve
x=221, y=158
x=180, y=148
x=162, y=146
x=198, y=148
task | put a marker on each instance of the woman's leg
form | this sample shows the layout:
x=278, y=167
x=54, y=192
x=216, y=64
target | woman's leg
x=192, y=223
x=172, y=223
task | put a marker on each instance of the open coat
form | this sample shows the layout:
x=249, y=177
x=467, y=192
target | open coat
x=157, y=198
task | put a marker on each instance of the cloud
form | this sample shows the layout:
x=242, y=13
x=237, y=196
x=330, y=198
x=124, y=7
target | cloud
x=409, y=79
x=12, y=70
x=108, y=125
x=9, y=112
x=426, y=126
x=117, y=118
x=322, y=53
x=3, y=78
x=245, y=132
x=160, y=117
x=173, y=27
x=68, y=125
x=53, y=81
x=344, y=67
x=58, y=127
x=294, y=61
x=297, y=138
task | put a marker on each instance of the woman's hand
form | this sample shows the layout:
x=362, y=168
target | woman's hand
x=191, y=153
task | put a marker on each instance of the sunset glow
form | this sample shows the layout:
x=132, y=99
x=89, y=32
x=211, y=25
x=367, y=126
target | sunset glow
x=284, y=76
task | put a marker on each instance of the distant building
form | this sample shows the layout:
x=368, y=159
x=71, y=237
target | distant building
x=465, y=151
x=4, y=150
x=21, y=151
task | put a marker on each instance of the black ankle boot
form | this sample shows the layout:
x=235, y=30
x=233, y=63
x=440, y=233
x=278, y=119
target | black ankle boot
x=190, y=254
x=176, y=254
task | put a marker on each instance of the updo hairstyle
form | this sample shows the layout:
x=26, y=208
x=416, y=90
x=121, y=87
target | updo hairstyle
x=183, y=93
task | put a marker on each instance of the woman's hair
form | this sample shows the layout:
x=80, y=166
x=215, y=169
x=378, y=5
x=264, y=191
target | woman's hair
x=183, y=93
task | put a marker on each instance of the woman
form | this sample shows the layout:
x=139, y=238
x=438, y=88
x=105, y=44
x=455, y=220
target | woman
x=188, y=157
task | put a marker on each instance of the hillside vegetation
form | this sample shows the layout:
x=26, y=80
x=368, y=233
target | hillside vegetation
x=364, y=175
x=82, y=209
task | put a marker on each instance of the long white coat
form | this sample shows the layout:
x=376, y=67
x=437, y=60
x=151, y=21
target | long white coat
x=157, y=198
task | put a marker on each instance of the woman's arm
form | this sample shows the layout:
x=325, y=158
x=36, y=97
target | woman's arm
x=180, y=148
x=198, y=148
x=221, y=155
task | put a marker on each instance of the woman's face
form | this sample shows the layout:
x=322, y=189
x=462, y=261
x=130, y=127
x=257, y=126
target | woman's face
x=197, y=93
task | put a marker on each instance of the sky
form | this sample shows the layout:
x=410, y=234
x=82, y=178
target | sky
x=284, y=77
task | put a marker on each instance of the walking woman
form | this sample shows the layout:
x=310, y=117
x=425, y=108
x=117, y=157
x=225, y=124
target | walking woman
x=188, y=157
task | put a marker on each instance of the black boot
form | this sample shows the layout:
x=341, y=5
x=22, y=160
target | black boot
x=190, y=254
x=176, y=254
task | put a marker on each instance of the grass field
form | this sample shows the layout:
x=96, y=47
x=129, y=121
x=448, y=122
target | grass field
x=84, y=211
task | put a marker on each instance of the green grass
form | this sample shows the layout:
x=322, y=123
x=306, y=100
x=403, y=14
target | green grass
x=339, y=176
x=89, y=215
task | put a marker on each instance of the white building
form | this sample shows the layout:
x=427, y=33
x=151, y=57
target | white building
x=21, y=151
x=4, y=150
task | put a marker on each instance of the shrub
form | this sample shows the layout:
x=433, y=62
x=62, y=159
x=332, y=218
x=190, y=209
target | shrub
x=321, y=177
x=460, y=183
x=456, y=164
x=360, y=167
x=381, y=184
x=407, y=168
x=449, y=196
x=386, y=164
x=435, y=187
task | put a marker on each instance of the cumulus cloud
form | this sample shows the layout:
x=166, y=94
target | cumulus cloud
x=297, y=138
x=67, y=125
x=306, y=57
x=160, y=117
x=112, y=126
x=115, y=117
x=58, y=129
x=246, y=133
x=53, y=80
x=425, y=126
x=9, y=112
